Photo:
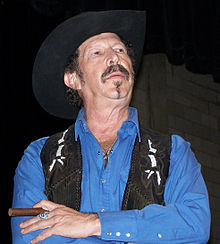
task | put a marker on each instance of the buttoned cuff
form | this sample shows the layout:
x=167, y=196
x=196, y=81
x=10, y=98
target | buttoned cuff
x=118, y=226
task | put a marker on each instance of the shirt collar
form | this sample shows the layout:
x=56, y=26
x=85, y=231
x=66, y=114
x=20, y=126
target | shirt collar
x=133, y=117
x=80, y=120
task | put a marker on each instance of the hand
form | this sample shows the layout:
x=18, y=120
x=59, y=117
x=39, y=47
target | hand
x=62, y=221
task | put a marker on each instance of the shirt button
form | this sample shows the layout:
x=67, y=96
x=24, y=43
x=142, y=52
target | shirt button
x=117, y=233
x=103, y=181
x=128, y=234
x=98, y=153
x=109, y=233
x=102, y=210
x=159, y=235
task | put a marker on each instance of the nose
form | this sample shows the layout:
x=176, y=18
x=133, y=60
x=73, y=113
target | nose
x=112, y=57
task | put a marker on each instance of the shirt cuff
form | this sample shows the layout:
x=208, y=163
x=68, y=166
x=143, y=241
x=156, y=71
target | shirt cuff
x=118, y=226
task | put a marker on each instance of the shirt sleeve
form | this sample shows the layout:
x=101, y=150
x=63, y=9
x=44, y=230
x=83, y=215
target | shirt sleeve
x=184, y=219
x=28, y=190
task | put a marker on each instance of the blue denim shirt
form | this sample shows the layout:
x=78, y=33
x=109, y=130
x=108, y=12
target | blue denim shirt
x=184, y=219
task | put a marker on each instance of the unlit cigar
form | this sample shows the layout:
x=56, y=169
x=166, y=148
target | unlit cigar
x=25, y=211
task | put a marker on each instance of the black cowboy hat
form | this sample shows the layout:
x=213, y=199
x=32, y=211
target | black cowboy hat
x=48, y=70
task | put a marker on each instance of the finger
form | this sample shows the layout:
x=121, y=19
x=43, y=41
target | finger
x=47, y=205
x=34, y=220
x=39, y=225
x=29, y=222
x=42, y=236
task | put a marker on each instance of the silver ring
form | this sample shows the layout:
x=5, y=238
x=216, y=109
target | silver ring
x=43, y=216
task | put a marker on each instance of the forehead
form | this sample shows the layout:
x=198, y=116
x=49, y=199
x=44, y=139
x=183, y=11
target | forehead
x=103, y=37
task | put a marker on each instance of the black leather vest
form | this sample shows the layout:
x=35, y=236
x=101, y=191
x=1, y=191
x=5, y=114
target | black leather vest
x=62, y=165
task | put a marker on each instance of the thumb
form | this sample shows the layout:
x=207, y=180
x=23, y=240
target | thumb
x=47, y=205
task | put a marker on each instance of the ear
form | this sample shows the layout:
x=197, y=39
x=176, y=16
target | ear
x=72, y=80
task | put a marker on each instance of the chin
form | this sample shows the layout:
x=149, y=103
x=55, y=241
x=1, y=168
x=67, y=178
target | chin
x=119, y=94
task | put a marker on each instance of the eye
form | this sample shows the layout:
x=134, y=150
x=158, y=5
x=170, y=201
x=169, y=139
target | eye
x=120, y=50
x=96, y=52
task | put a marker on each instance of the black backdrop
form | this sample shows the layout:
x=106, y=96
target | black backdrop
x=187, y=31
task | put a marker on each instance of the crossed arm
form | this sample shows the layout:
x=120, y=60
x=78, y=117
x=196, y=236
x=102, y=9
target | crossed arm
x=62, y=221
x=184, y=219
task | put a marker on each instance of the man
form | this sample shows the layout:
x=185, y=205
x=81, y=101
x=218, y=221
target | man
x=104, y=179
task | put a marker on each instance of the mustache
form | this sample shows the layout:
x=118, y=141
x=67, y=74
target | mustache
x=115, y=68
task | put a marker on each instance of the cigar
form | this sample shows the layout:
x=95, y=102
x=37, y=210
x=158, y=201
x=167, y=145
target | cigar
x=25, y=211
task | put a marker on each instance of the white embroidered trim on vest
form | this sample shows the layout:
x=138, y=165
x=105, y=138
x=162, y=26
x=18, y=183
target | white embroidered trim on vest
x=59, y=156
x=153, y=163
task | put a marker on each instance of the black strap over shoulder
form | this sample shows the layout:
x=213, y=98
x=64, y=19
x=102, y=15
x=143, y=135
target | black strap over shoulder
x=62, y=165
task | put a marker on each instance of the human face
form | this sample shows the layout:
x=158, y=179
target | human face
x=107, y=69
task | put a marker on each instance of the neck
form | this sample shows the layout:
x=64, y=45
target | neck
x=104, y=123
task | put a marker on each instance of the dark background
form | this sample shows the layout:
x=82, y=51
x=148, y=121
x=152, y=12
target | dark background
x=187, y=31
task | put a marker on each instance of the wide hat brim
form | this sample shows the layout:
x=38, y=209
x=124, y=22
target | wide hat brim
x=48, y=70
